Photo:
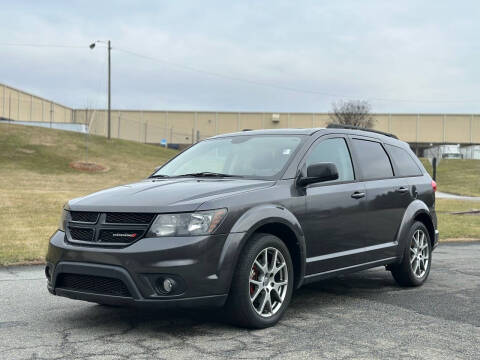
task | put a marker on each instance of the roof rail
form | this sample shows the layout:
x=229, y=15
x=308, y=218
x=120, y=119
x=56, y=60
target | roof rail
x=351, y=127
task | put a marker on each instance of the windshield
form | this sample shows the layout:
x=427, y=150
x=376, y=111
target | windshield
x=245, y=156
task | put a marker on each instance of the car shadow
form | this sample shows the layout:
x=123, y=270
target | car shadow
x=369, y=283
x=375, y=281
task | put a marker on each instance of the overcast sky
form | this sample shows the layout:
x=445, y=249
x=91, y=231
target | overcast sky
x=403, y=56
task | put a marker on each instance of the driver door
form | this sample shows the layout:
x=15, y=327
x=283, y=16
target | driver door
x=335, y=217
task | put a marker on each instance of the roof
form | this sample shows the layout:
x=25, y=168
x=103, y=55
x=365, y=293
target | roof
x=350, y=127
x=384, y=137
x=272, y=132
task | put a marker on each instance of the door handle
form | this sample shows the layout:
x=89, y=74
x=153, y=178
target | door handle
x=358, y=195
x=402, y=189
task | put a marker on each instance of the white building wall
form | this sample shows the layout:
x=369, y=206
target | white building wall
x=471, y=152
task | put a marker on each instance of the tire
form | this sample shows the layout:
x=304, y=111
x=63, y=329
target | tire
x=270, y=295
x=417, y=258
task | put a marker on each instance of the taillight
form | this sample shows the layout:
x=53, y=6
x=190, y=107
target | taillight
x=434, y=185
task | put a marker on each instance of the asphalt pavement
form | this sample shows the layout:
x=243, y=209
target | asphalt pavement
x=359, y=316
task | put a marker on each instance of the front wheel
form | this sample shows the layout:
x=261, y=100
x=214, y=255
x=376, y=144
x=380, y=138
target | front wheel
x=263, y=283
x=417, y=258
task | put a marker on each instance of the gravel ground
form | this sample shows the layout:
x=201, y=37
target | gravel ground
x=360, y=316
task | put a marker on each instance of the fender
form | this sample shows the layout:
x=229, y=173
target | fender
x=247, y=224
x=415, y=208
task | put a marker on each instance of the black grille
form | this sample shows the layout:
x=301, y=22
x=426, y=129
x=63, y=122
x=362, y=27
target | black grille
x=119, y=236
x=93, y=284
x=107, y=229
x=81, y=234
x=129, y=218
x=84, y=216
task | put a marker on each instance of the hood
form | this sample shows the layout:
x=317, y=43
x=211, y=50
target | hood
x=164, y=195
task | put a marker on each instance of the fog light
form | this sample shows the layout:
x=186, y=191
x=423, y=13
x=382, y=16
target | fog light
x=168, y=285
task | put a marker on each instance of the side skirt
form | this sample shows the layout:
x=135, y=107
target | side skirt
x=350, y=258
x=349, y=269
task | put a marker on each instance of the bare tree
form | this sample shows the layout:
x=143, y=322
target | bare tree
x=352, y=112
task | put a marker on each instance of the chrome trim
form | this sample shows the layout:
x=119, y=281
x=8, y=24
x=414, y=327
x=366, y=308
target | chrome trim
x=380, y=262
x=351, y=252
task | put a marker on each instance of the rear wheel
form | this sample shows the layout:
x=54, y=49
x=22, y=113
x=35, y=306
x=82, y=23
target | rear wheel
x=263, y=283
x=417, y=258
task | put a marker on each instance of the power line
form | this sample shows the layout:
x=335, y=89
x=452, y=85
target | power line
x=245, y=80
x=280, y=87
x=44, y=45
x=228, y=77
x=224, y=76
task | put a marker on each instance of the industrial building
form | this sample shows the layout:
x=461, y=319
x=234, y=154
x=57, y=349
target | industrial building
x=184, y=127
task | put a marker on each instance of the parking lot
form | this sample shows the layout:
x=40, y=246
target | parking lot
x=364, y=315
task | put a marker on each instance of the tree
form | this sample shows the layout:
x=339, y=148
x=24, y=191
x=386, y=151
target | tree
x=352, y=112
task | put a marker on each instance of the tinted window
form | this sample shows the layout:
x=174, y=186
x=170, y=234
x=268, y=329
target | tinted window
x=334, y=151
x=404, y=164
x=248, y=156
x=374, y=161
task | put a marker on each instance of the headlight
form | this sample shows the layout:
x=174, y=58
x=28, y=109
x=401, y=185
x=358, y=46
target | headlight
x=63, y=220
x=199, y=223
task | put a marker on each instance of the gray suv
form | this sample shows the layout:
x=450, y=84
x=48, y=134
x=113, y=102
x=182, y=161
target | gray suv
x=242, y=220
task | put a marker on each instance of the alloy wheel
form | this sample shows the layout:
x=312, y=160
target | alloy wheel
x=268, y=282
x=419, y=254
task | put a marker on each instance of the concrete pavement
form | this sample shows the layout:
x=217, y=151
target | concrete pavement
x=360, y=316
x=442, y=195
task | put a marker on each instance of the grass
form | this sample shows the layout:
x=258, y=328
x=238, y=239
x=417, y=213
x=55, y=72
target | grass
x=461, y=177
x=465, y=226
x=36, y=180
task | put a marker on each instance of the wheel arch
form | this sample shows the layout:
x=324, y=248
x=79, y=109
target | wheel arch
x=416, y=211
x=426, y=220
x=270, y=219
x=289, y=238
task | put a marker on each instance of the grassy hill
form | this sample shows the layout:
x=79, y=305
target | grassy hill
x=461, y=177
x=36, y=180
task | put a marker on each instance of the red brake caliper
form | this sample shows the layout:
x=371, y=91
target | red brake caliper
x=253, y=276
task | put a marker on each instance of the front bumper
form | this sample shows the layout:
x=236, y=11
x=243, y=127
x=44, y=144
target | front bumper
x=201, y=266
x=435, y=240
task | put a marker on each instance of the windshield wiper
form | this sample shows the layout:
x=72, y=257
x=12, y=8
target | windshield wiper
x=208, y=174
x=159, y=176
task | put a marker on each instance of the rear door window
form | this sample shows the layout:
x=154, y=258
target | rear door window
x=374, y=161
x=404, y=164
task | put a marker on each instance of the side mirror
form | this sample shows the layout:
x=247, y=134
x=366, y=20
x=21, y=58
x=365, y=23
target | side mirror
x=318, y=173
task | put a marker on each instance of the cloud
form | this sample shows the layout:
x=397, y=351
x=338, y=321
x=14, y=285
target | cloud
x=368, y=50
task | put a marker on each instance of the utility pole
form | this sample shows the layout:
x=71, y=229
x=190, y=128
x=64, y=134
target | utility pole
x=109, y=50
x=109, y=89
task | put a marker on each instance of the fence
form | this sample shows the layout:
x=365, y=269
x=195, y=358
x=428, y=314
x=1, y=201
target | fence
x=185, y=127
x=139, y=128
x=17, y=105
